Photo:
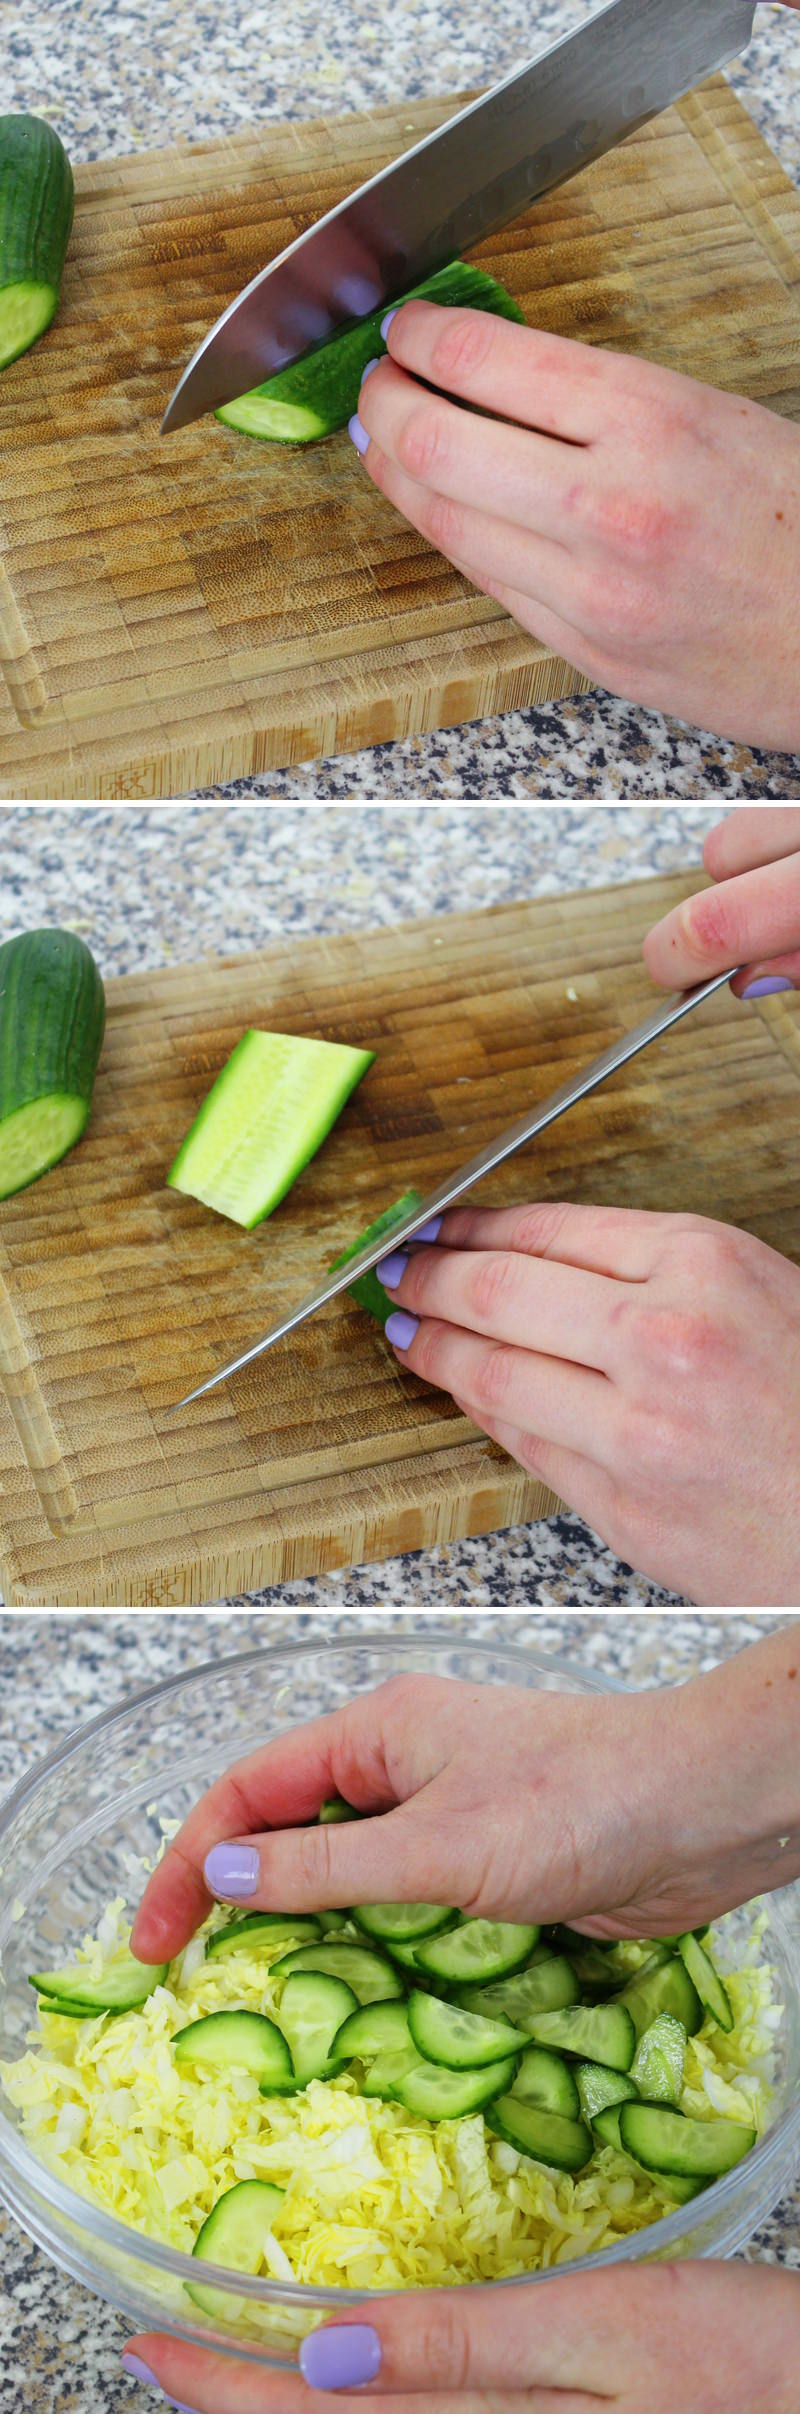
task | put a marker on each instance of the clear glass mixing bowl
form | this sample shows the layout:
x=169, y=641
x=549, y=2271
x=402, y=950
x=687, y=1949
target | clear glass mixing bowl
x=73, y=1835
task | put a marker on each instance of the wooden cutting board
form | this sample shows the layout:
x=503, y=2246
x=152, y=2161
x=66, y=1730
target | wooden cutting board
x=179, y=612
x=117, y=1295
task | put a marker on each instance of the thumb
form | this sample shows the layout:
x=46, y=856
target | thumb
x=395, y=1858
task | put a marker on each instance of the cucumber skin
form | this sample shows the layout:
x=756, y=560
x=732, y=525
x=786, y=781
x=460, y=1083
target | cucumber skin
x=460, y=284
x=52, y=1019
x=367, y=1290
x=37, y=204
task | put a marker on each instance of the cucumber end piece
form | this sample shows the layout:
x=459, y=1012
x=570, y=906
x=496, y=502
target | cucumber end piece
x=26, y=311
x=258, y=414
x=38, y=1136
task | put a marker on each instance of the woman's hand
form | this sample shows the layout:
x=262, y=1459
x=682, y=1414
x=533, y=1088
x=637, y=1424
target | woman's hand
x=643, y=526
x=754, y=913
x=646, y=1366
x=699, y=2336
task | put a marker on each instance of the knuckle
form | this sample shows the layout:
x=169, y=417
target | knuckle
x=492, y=1282
x=464, y=343
x=446, y=2356
x=708, y=924
x=314, y=1855
x=443, y=524
x=494, y=1376
x=423, y=443
x=427, y=1347
x=538, y=1228
x=639, y=526
x=676, y=1341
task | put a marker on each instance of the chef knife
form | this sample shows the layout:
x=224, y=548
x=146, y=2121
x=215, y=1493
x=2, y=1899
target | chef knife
x=484, y=167
x=671, y=1010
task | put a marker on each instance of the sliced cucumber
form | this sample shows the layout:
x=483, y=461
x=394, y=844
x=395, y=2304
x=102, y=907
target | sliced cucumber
x=598, y=2086
x=262, y=1928
x=449, y=2095
x=269, y=1111
x=371, y=1977
x=368, y=1291
x=590, y=1963
x=237, y=2041
x=405, y=1954
x=605, y=2124
x=543, y=1986
x=543, y=2079
x=52, y=1018
x=546, y=2136
x=234, y=2235
x=667, y=2141
x=336, y=1813
x=37, y=202
x=461, y=2040
x=375, y=2028
x=313, y=2009
x=121, y=1989
x=383, y=2076
x=660, y=2060
x=333, y=1923
x=664, y=1987
x=477, y=1951
x=597, y=2032
x=71, y=2011
x=319, y=393
x=700, y=1968
x=402, y=1923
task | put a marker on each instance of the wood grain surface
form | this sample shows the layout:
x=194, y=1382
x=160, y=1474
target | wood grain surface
x=177, y=612
x=117, y=1294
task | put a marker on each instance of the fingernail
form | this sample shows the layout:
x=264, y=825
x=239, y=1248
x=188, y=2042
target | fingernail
x=231, y=1870
x=400, y=1329
x=341, y=2357
x=137, y=2370
x=391, y=1270
x=358, y=433
x=769, y=986
x=429, y=1232
x=371, y=364
x=386, y=323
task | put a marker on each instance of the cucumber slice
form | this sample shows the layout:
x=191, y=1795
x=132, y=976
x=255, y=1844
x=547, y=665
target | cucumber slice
x=664, y=1987
x=319, y=393
x=382, y=2077
x=605, y=2124
x=597, y=2032
x=331, y=1922
x=262, y=1928
x=71, y=2011
x=477, y=1951
x=543, y=1986
x=367, y=1289
x=371, y=1977
x=402, y=1923
x=52, y=1018
x=543, y=2079
x=449, y=2095
x=660, y=2060
x=336, y=1813
x=37, y=202
x=120, y=1989
x=269, y=1111
x=405, y=1954
x=375, y=2028
x=313, y=2009
x=590, y=1963
x=546, y=2136
x=237, y=2041
x=598, y=2087
x=700, y=1968
x=667, y=2141
x=234, y=2235
x=461, y=2040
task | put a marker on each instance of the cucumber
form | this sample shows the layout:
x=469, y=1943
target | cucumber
x=543, y=2079
x=313, y=2009
x=667, y=2141
x=605, y=2124
x=662, y=1987
x=546, y=2136
x=121, y=1989
x=335, y=1813
x=52, y=1018
x=319, y=393
x=461, y=2040
x=713, y=1995
x=367, y=1289
x=237, y=2041
x=262, y=1928
x=375, y=2028
x=477, y=1951
x=37, y=203
x=269, y=1111
x=402, y=1923
x=660, y=2059
x=371, y=1977
x=450, y=2095
x=599, y=2087
x=597, y=2032
x=234, y=2234
x=543, y=1986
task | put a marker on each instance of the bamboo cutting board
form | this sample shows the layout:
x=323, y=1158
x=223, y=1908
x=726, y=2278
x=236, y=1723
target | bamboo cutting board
x=178, y=612
x=117, y=1294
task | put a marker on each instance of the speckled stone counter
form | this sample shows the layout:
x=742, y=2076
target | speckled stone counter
x=61, y=2345
x=119, y=75
x=164, y=885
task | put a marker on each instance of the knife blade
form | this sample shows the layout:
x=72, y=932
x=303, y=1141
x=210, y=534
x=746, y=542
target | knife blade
x=534, y=129
x=663, y=1018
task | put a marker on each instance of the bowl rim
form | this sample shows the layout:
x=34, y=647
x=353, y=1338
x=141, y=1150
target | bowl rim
x=138, y=2245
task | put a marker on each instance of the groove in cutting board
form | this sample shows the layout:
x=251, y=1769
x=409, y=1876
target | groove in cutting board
x=197, y=608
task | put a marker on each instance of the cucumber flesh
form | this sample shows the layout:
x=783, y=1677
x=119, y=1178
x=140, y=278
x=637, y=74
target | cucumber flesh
x=660, y=2059
x=237, y=2041
x=662, y=1988
x=546, y=2136
x=262, y=1928
x=314, y=396
x=450, y=2095
x=25, y=312
x=234, y=2234
x=476, y=1951
x=700, y=1969
x=543, y=1986
x=543, y=2079
x=371, y=1977
x=336, y=1813
x=597, y=2032
x=375, y=2028
x=460, y=2040
x=37, y=201
x=367, y=1290
x=269, y=1111
x=664, y=2140
x=52, y=1018
x=605, y=2124
x=313, y=2008
x=599, y=2087
x=121, y=1989
x=402, y=1923
x=36, y=1137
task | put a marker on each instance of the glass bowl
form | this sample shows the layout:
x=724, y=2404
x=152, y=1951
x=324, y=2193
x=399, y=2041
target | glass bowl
x=74, y=1833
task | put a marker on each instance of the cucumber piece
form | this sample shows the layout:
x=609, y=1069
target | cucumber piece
x=37, y=203
x=234, y=2234
x=700, y=1968
x=313, y=2009
x=367, y=1289
x=662, y=1987
x=383, y=2076
x=590, y=1963
x=262, y=1928
x=332, y=1921
x=336, y=1813
x=374, y=2028
x=476, y=1951
x=598, y=2087
x=660, y=2059
x=543, y=1986
x=546, y=2136
x=52, y=1018
x=461, y=2040
x=371, y=1977
x=605, y=2124
x=543, y=2079
x=597, y=2032
x=402, y=1923
x=449, y=2095
x=269, y=1111
x=121, y=1989
x=666, y=2141
x=70, y=2011
x=237, y=2041
x=319, y=393
x=405, y=1954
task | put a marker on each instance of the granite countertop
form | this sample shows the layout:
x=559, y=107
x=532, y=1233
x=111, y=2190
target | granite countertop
x=165, y=884
x=61, y=2345
x=121, y=75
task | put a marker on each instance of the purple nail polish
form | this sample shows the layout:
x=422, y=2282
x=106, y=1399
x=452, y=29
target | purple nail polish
x=358, y=433
x=400, y=1329
x=136, y=2369
x=429, y=1232
x=372, y=364
x=231, y=1870
x=341, y=2356
x=769, y=986
x=386, y=323
x=391, y=1269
